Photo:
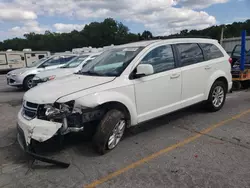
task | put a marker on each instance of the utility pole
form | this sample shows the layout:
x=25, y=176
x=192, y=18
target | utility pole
x=222, y=35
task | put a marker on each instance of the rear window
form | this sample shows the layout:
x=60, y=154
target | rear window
x=237, y=51
x=190, y=53
x=211, y=51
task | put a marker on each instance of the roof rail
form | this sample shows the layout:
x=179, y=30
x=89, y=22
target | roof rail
x=176, y=37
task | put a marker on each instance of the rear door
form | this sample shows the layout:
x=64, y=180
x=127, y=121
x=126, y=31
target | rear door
x=214, y=61
x=193, y=71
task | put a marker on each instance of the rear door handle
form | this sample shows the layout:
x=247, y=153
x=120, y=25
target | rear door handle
x=173, y=76
x=208, y=67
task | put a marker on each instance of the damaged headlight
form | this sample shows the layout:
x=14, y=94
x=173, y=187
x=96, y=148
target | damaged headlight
x=51, y=111
x=59, y=109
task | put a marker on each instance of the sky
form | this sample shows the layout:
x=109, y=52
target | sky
x=161, y=17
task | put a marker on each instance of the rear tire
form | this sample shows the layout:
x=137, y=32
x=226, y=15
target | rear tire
x=27, y=83
x=110, y=131
x=217, y=96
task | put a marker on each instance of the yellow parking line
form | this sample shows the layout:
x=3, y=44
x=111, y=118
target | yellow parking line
x=166, y=150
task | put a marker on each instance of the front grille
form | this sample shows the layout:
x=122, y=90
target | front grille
x=29, y=114
x=31, y=105
x=12, y=81
x=29, y=110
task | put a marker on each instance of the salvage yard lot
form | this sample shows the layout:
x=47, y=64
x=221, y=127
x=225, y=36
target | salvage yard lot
x=189, y=148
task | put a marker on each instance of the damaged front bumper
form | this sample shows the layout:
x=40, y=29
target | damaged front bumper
x=36, y=130
x=39, y=130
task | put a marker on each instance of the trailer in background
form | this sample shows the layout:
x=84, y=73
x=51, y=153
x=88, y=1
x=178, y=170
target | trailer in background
x=10, y=60
x=240, y=68
x=229, y=44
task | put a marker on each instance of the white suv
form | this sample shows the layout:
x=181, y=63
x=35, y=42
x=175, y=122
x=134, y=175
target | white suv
x=125, y=86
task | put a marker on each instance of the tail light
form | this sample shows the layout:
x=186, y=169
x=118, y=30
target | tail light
x=230, y=60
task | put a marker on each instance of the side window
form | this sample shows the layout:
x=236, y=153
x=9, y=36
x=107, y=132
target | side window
x=211, y=51
x=161, y=58
x=66, y=59
x=40, y=56
x=53, y=61
x=237, y=51
x=190, y=53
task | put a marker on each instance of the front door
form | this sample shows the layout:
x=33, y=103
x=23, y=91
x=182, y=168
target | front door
x=159, y=93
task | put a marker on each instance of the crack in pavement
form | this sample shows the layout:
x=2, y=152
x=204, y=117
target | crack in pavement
x=211, y=136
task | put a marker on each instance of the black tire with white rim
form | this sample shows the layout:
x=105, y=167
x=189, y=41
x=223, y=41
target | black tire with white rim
x=110, y=131
x=27, y=83
x=217, y=96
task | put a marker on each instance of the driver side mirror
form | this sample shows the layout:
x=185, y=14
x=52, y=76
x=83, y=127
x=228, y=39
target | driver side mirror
x=144, y=70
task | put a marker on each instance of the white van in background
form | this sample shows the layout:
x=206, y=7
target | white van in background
x=10, y=60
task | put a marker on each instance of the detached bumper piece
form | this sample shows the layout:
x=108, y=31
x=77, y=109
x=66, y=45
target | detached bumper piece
x=28, y=150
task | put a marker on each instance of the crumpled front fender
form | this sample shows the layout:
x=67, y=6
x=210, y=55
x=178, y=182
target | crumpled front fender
x=96, y=99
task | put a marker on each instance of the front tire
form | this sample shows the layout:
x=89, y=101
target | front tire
x=217, y=96
x=110, y=131
x=27, y=83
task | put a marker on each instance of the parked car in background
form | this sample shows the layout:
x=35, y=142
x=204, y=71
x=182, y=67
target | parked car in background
x=236, y=56
x=71, y=67
x=125, y=86
x=23, y=77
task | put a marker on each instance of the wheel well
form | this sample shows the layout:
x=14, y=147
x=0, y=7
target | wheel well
x=224, y=80
x=27, y=77
x=117, y=105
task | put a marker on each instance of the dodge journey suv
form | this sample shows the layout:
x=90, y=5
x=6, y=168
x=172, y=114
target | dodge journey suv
x=125, y=86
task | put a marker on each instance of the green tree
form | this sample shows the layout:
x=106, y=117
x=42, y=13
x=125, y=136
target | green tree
x=107, y=32
x=146, y=35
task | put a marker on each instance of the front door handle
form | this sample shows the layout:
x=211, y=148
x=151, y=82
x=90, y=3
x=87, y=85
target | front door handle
x=208, y=67
x=173, y=76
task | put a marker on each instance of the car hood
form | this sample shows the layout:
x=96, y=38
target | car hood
x=49, y=92
x=60, y=72
x=20, y=71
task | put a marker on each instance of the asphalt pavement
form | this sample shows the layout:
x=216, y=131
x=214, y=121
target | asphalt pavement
x=189, y=148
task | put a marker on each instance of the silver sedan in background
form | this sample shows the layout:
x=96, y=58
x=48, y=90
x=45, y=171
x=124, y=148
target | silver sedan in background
x=22, y=78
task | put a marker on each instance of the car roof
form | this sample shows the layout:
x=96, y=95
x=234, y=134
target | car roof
x=138, y=44
x=89, y=53
x=177, y=40
x=173, y=40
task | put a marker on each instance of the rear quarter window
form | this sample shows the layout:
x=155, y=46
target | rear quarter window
x=190, y=53
x=211, y=51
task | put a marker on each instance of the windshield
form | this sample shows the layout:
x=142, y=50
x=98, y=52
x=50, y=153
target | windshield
x=75, y=62
x=38, y=62
x=112, y=62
